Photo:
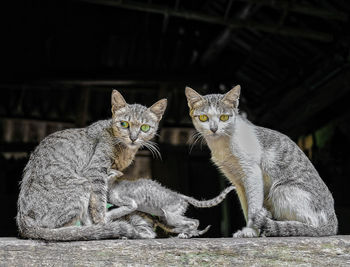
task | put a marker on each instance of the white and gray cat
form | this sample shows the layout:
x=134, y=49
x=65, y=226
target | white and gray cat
x=65, y=180
x=280, y=191
x=150, y=197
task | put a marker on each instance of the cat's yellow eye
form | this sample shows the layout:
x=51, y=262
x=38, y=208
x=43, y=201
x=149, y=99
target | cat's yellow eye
x=224, y=117
x=203, y=118
x=145, y=127
x=124, y=124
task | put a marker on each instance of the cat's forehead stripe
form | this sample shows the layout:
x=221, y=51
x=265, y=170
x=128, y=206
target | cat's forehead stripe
x=213, y=105
x=135, y=113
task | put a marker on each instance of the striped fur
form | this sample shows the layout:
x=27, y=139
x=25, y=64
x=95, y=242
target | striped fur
x=269, y=171
x=155, y=222
x=150, y=197
x=211, y=202
x=269, y=227
x=65, y=179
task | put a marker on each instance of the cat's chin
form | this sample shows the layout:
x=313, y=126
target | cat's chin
x=133, y=146
x=213, y=136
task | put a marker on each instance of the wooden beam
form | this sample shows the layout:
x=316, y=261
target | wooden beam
x=236, y=24
x=225, y=37
x=302, y=9
x=298, y=109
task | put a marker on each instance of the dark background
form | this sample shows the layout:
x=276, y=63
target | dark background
x=61, y=59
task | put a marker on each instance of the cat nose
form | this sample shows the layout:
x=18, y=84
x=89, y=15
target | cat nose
x=214, y=129
x=133, y=138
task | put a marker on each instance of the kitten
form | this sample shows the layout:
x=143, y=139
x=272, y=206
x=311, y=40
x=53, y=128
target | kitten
x=65, y=180
x=280, y=191
x=150, y=197
x=152, y=222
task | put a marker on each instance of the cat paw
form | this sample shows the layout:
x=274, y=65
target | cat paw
x=259, y=218
x=183, y=235
x=193, y=224
x=188, y=233
x=146, y=232
x=113, y=174
x=245, y=232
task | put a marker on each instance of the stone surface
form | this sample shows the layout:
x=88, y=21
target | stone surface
x=304, y=251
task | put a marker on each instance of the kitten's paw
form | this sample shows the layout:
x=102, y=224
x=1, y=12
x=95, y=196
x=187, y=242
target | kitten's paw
x=146, y=232
x=184, y=235
x=113, y=174
x=245, y=232
x=193, y=224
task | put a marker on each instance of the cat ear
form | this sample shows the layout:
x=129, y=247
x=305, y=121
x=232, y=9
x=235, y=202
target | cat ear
x=192, y=97
x=158, y=108
x=231, y=98
x=117, y=101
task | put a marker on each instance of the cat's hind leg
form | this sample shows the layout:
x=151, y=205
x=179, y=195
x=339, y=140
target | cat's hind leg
x=293, y=214
x=186, y=227
x=142, y=226
x=177, y=220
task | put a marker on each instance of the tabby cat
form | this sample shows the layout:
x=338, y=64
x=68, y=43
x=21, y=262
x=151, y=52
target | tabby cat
x=65, y=180
x=280, y=191
x=151, y=197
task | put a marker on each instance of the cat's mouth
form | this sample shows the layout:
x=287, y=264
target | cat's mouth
x=213, y=135
x=133, y=145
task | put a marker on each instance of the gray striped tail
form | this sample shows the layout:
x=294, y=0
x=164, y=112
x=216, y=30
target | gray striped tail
x=269, y=227
x=211, y=202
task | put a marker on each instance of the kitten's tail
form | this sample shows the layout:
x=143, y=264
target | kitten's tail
x=211, y=202
x=117, y=229
x=268, y=227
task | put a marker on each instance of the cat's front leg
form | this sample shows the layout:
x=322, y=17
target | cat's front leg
x=98, y=193
x=254, y=193
x=97, y=207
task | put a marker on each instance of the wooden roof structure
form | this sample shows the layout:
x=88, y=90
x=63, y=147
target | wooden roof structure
x=61, y=59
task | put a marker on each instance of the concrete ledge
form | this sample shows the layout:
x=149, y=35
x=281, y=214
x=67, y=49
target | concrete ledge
x=304, y=251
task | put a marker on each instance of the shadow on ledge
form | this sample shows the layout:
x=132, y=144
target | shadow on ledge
x=324, y=251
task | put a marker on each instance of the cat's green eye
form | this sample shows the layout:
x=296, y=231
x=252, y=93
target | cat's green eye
x=203, y=118
x=224, y=117
x=145, y=127
x=124, y=124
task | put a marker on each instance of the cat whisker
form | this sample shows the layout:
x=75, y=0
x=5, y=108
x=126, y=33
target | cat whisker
x=153, y=148
x=117, y=141
x=194, y=139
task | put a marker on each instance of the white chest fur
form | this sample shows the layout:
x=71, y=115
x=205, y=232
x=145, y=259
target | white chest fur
x=220, y=148
x=242, y=148
x=234, y=154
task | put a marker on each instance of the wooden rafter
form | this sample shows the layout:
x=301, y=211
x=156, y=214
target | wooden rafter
x=248, y=24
